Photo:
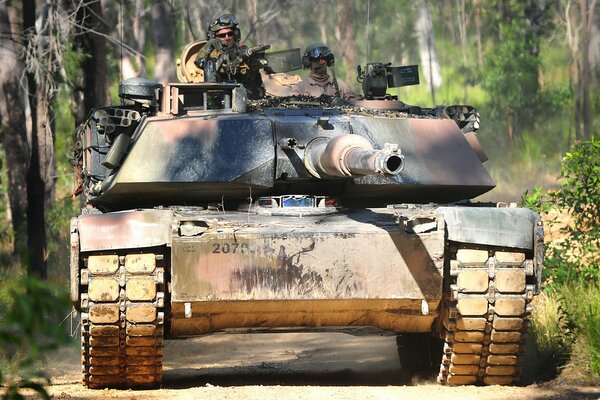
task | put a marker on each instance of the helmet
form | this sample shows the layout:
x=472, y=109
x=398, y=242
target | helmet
x=222, y=22
x=317, y=50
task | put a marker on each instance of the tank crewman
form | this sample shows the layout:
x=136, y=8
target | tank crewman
x=224, y=59
x=317, y=57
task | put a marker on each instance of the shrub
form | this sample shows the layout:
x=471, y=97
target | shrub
x=576, y=256
x=31, y=312
x=572, y=262
x=581, y=305
x=553, y=336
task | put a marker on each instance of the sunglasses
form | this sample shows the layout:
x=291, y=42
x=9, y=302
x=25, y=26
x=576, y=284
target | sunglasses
x=224, y=20
x=224, y=35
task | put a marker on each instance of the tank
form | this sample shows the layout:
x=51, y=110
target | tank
x=205, y=211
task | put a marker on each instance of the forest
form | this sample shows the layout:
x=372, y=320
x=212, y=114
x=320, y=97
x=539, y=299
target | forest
x=530, y=67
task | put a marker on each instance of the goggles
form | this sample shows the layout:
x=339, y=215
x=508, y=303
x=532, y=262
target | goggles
x=319, y=52
x=224, y=20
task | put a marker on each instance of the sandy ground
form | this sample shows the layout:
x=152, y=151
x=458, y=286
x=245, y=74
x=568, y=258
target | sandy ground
x=315, y=365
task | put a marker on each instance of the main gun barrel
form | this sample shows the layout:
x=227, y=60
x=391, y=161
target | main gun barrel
x=351, y=155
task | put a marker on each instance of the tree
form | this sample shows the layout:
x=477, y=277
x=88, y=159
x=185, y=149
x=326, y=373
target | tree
x=91, y=86
x=511, y=68
x=579, y=18
x=163, y=37
x=40, y=174
x=429, y=61
x=133, y=28
x=345, y=35
x=576, y=255
x=13, y=129
x=29, y=143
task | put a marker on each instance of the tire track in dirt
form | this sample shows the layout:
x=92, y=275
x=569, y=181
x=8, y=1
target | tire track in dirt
x=314, y=365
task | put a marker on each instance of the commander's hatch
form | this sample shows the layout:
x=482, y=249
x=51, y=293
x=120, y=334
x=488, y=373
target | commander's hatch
x=187, y=70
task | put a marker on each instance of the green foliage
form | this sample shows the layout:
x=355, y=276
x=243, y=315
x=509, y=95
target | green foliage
x=511, y=76
x=65, y=125
x=592, y=334
x=31, y=312
x=580, y=189
x=390, y=20
x=552, y=335
x=572, y=262
x=581, y=305
x=72, y=65
x=566, y=331
x=7, y=259
x=576, y=256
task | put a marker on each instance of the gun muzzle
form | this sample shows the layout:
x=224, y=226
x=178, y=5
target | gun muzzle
x=351, y=156
x=256, y=49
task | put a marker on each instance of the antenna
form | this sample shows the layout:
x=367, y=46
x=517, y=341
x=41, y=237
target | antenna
x=121, y=39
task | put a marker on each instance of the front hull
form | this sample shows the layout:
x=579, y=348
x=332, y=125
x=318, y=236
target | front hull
x=351, y=268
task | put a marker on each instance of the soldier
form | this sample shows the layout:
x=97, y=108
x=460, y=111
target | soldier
x=224, y=59
x=317, y=57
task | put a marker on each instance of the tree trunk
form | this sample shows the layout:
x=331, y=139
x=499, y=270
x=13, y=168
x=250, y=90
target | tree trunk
x=578, y=97
x=462, y=32
x=132, y=32
x=253, y=20
x=429, y=59
x=572, y=39
x=45, y=95
x=477, y=9
x=322, y=23
x=192, y=25
x=346, y=38
x=13, y=123
x=162, y=34
x=94, y=91
x=595, y=46
x=587, y=8
x=36, y=188
x=579, y=21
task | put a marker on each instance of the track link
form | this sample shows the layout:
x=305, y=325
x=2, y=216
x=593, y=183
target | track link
x=485, y=321
x=122, y=304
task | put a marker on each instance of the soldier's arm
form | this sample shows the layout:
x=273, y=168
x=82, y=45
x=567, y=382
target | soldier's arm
x=206, y=50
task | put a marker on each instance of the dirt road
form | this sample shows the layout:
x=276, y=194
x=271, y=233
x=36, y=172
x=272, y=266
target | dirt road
x=302, y=366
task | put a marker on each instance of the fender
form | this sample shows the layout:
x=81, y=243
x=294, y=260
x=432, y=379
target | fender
x=519, y=228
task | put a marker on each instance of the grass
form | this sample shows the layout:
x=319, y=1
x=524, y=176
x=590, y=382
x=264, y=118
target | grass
x=566, y=333
x=550, y=343
x=581, y=302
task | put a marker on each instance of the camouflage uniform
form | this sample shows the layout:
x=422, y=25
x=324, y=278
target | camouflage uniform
x=320, y=81
x=312, y=87
x=229, y=63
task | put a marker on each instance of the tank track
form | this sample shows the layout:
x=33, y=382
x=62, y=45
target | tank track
x=122, y=302
x=485, y=318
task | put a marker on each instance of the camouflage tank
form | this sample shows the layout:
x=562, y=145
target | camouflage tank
x=205, y=211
